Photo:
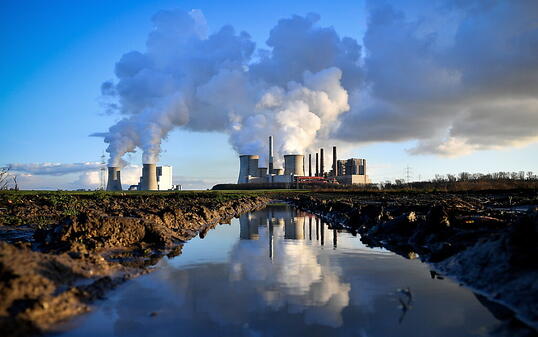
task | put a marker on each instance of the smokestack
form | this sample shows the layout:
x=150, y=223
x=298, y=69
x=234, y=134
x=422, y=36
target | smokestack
x=334, y=162
x=321, y=168
x=248, y=166
x=114, y=180
x=270, y=154
x=310, y=164
x=149, y=177
x=317, y=165
x=293, y=164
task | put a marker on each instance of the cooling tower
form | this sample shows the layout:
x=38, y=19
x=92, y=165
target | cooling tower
x=293, y=164
x=114, y=180
x=278, y=171
x=149, y=178
x=248, y=166
x=262, y=171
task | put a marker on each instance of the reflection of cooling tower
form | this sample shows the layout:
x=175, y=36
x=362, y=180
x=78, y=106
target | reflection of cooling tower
x=149, y=177
x=248, y=229
x=294, y=164
x=248, y=166
x=114, y=180
x=294, y=228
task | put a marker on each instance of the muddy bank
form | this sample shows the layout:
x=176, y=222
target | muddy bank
x=59, y=252
x=486, y=241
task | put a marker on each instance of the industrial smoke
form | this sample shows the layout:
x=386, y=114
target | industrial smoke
x=188, y=79
x=312, y=85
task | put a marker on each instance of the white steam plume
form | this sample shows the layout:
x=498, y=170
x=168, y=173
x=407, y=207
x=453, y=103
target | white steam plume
x=185, y=79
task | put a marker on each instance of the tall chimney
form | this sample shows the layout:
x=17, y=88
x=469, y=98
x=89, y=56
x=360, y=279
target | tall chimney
x=149, y=177
x=310, y=164
x=321, y=168
x=114, y=180
x=317, y=165
x=334, y=162
x=270, y=154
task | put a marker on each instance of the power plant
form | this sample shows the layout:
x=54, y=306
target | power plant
x=298, y=168
x=114, y=179
x=154, y=178
x=349, y=172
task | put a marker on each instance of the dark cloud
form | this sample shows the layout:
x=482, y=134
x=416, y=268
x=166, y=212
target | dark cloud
x=463, y=77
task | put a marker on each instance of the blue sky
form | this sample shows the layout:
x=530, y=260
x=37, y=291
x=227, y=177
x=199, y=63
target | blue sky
x=55, y=56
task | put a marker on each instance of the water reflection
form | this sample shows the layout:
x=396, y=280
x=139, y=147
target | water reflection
x=271, y=274
x=297, y=225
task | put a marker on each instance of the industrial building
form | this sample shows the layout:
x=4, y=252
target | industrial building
x=349, y=172
x=352, y=171
x=154, y=178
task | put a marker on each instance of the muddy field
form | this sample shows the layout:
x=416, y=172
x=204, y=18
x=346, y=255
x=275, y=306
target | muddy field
x=61, y=251
x=487, y=241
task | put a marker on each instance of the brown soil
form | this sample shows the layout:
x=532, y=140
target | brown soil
x=60, y=252
x=486, y=241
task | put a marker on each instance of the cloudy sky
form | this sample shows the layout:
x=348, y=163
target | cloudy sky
x=439, y=86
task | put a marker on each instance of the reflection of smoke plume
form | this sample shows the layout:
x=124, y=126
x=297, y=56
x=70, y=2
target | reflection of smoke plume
x=210, y=84
x=306, y=284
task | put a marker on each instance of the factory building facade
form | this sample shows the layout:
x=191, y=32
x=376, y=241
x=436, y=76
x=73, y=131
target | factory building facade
x=349, y=172
x=352, y=171
x=164, y=178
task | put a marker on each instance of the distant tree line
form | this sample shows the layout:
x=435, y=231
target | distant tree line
x=469, y=181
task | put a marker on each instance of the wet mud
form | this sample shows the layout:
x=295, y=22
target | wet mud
x=486, y=241
x=60, y=252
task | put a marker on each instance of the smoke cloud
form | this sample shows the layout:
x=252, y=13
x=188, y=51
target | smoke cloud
x=454, y=76
x=211, y=83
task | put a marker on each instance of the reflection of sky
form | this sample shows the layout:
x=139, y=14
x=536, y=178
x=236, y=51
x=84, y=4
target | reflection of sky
x=222, y=285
